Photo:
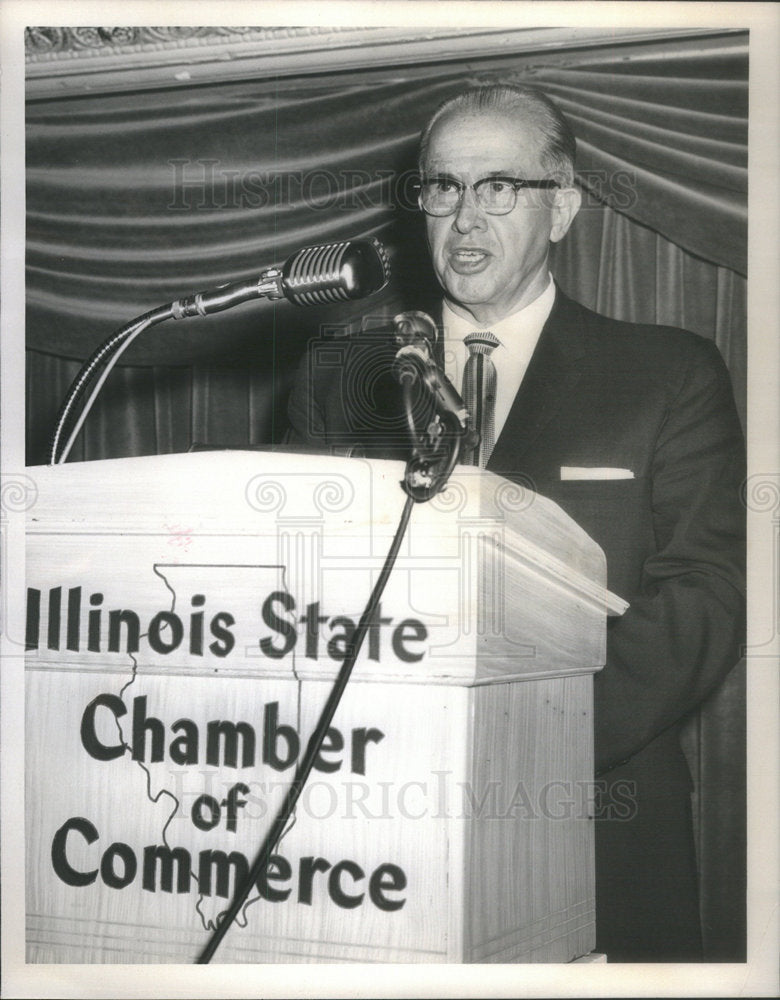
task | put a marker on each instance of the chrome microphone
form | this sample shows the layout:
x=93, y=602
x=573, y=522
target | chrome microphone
x=315, y=275
x=335, y=272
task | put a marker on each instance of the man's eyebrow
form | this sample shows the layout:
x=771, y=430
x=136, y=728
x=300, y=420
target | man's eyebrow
x=443, y=175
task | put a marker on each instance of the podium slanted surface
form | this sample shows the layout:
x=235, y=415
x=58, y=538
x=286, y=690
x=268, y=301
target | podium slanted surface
x=186, y=617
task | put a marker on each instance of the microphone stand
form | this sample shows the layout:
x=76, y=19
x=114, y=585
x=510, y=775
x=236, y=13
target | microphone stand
x=448, y=432
x=267, y=285
x=314, y=275
x=435, y=453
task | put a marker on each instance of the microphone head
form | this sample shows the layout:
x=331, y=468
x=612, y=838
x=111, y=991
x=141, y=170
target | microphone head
x=414, y=326
x=335, y=272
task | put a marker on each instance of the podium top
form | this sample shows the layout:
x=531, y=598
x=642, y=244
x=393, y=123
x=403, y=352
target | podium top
x=498, y=575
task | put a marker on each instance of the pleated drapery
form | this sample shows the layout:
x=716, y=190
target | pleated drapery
x=134, y=199
x=678, y=125
x=138, y=198
x=606, y=261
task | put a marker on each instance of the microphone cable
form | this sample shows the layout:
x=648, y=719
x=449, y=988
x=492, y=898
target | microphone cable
x=107, y=354
x=315, y=742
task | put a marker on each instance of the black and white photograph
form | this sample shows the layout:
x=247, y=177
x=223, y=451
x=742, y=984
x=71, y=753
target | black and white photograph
x=390, y=499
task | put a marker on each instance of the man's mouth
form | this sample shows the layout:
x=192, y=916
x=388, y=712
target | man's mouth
x=467, y=259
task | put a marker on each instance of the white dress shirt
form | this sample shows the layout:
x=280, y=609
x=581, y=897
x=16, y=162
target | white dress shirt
x=518, y=334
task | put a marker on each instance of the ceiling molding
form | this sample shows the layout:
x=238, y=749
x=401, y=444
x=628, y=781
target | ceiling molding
x=56, y=44
x=67, y=61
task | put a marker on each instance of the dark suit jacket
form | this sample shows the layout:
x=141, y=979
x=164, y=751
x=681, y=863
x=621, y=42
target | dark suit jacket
x=656, y=401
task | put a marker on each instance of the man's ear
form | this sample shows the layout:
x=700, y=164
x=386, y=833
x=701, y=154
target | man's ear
x=565, y=207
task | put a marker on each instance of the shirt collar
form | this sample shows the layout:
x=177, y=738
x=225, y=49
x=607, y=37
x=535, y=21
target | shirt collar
x=531, y=317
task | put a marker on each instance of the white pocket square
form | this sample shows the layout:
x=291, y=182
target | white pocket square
x=596, y=472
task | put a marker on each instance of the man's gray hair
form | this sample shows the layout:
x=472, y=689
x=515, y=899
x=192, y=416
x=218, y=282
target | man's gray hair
x=526, y=104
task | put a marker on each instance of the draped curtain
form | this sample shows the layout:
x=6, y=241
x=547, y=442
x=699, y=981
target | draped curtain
x=138, y=198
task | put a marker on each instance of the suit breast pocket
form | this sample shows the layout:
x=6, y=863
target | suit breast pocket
x=618, y=515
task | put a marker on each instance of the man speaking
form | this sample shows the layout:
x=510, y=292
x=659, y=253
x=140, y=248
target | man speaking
x=633, y=431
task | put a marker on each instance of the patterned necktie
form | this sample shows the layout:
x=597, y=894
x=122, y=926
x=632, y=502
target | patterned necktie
x=479, y=394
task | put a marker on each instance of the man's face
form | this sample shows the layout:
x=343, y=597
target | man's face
x=489, y=265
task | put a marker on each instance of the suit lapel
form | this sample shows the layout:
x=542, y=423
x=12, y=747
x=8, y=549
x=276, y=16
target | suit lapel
x=554, y=370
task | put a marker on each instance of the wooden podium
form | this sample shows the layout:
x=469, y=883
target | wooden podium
x=186, y=616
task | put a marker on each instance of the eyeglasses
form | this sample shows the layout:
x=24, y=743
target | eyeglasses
x=495, y=195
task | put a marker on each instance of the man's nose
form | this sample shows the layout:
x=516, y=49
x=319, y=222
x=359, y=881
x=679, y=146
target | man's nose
x=469, y=214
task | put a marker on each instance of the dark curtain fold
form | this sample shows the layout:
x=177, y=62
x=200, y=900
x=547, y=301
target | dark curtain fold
x=135, y=199
x=630, y=272
x=159, y=410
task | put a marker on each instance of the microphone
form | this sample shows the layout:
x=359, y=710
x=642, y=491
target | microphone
x=314, y=275
x=415, y=333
